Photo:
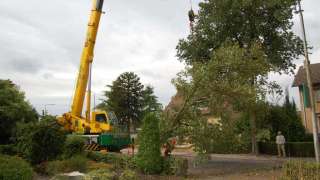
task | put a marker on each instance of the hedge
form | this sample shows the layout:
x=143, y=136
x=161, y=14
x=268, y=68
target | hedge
x=295, y=170
x=8, y=149
x=293, y=149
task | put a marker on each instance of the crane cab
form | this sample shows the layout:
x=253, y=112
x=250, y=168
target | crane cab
x=101, y=121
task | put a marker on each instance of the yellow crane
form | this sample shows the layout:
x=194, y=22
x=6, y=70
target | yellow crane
x=97, y=122
x=95, y=125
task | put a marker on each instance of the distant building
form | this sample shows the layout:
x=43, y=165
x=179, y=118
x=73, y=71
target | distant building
x=177, y=101
x=300, y=81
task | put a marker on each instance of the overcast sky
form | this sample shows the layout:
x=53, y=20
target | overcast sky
x=41, y=43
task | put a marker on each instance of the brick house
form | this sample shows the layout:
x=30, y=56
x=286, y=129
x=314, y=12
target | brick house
x=301, y=82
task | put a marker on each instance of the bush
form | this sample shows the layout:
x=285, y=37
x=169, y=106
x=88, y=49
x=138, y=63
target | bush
x=128, y=175
x=39, y=142
x=9, y=149
x=296, y=170
x=119, y=161
x=100, y=174
x=75, y=163
x=149, y=159
x=293, y=149
x=14, y=168
x=74, y=145
x=175, y=166
x=55, y=167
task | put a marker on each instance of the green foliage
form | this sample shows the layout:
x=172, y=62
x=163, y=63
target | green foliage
x=293, y=149
x=55, y=167
x=219, y=138
x=150, y=101
x=75, y=163
x=175, y=166
x=234, y=46
x=13, y=109
x=42, y=141
x=124, y=98
x=74, y=145
x=268, y=23
x=128, y=175
x=129, y=99
x=225, y=81
x=284, y=118
x=295, y=170
x=119, y=161
x=9, y=149
x=14, y=168
x=149, y=156
x=100, y=174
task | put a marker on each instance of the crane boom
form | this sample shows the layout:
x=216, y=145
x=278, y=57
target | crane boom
x=73, y=121
x=86, y=58
x=98, y=123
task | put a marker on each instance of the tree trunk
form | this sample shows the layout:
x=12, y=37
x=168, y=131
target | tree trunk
x=253, y=126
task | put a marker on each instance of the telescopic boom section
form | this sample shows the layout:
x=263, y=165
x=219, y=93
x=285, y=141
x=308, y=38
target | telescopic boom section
x=86, y=58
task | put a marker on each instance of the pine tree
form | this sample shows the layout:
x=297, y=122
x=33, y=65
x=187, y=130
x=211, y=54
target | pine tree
x=150, y=101
x=149, y=155
x=125, y=98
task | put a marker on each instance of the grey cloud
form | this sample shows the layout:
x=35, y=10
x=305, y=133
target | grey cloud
x=24, y=65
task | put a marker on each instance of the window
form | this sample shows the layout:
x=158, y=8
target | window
x=101, y=118
x=317, y=94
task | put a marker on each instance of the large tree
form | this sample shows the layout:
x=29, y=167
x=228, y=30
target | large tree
x=14, y=108
x=125, y=98
x=268, y=23
x=249, y=24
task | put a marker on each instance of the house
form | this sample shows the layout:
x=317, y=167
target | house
x=177, y=101
x=300, y=81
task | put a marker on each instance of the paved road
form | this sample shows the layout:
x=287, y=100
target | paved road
x=232, y=165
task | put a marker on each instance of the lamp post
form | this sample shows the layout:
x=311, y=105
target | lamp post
x=309, y=83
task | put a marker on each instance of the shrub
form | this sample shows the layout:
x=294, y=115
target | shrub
x=117, y=160
x=75, y=163
x=293, y=149
x=55, y=167
x=175, y=166
x=149, y=159
x=74, y=145
x=295, y=170
x=128, y=175
x=14, y=168
x=9, y=149
x=100, y=174
x=41, y=141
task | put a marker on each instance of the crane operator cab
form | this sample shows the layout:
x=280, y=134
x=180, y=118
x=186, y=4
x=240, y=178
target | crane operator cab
x=101, y=122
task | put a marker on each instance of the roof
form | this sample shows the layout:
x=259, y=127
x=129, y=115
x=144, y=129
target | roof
x=300, y=77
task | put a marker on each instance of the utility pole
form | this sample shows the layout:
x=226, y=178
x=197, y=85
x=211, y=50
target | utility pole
x=309, y=83
x=45, y=112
